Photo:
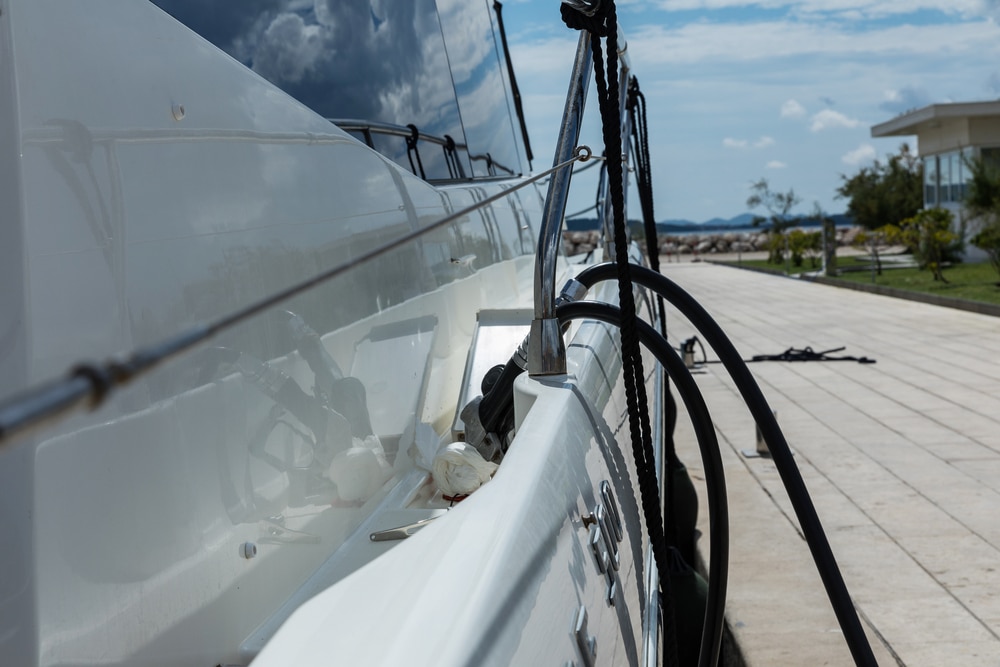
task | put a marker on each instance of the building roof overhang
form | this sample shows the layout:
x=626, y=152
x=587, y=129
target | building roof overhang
x=930, y=117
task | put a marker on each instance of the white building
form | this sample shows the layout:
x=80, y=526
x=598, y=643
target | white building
x=947, y=134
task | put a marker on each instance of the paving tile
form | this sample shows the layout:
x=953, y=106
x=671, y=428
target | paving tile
x=950, y=653
x=902, y=458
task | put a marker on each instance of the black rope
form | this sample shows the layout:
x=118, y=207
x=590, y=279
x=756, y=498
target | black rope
x=791, y=354
x=595, y=24
x=715, y=479
x=605, y=23
x=514, y=91
x=808, y=354
x=636, y=104
x=637, y=109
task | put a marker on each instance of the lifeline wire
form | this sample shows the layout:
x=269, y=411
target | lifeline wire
x=89, y=384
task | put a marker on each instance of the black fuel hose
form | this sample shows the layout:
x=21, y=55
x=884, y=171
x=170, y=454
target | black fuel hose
x=791, y=478
x=718, y=507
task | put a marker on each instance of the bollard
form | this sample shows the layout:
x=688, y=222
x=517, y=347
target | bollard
x=761, y=450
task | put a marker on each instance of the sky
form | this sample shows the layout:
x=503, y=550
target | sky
x=739, y=90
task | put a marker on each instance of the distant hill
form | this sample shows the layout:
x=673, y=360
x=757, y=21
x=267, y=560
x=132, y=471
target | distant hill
x=740, y=222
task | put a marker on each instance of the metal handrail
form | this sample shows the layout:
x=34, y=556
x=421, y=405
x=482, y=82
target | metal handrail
x=369, y=127
x=547, y=351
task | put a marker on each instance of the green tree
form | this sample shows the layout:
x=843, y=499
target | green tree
x=884, y=193
x=929, y=233
x=805, y=245
x=988, y=240
x=779, y=206
x=983, y=202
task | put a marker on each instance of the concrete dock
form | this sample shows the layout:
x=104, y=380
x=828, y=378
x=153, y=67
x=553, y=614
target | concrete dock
x=902, y=459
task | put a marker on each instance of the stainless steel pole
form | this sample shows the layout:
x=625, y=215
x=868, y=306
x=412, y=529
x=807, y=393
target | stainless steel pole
x=546, y=350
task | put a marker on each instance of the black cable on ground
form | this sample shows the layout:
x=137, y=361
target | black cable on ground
x=718, y=563
x=808, y=354
x=819, y=546
x=791, y=354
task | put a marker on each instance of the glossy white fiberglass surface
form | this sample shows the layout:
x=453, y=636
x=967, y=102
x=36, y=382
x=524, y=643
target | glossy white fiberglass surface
x=500, y=579
x=153, y=184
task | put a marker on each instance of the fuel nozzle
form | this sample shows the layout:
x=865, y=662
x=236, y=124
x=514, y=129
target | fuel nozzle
x=489, y=418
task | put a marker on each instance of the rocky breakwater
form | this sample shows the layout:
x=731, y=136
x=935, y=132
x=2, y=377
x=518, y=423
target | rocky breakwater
x=695, y=244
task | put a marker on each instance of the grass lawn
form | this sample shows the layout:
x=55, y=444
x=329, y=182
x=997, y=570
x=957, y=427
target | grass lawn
x=972, y=282
x=764, y=265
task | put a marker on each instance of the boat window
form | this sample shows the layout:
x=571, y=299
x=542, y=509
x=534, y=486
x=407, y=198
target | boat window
x=481, y=86
x=384, y=63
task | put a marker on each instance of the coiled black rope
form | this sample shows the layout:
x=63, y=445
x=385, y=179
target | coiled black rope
x=791, y=478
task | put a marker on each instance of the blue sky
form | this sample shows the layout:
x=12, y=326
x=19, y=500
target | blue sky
x=739, y=90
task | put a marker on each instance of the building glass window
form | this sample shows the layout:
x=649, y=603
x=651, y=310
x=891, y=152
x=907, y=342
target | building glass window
x=931, y=181
x=944, y=178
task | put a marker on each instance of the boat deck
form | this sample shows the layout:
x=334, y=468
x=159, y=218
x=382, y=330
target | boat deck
x=902, y=458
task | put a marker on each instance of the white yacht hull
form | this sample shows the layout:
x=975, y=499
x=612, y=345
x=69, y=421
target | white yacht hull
x=151, y=183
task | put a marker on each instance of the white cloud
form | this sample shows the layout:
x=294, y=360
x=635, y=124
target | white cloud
x=740, y=144
x=693, y=65
x=702, y=42
x=846, y=9
x=861, y=154
x=288, y=49
x=828, y=118
x=906, y=98
x=792, y=109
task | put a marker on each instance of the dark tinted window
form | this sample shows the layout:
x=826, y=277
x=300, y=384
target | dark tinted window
x=481, y=86
x=378, y=60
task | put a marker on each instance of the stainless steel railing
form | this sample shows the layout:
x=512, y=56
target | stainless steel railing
x=547, y=352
